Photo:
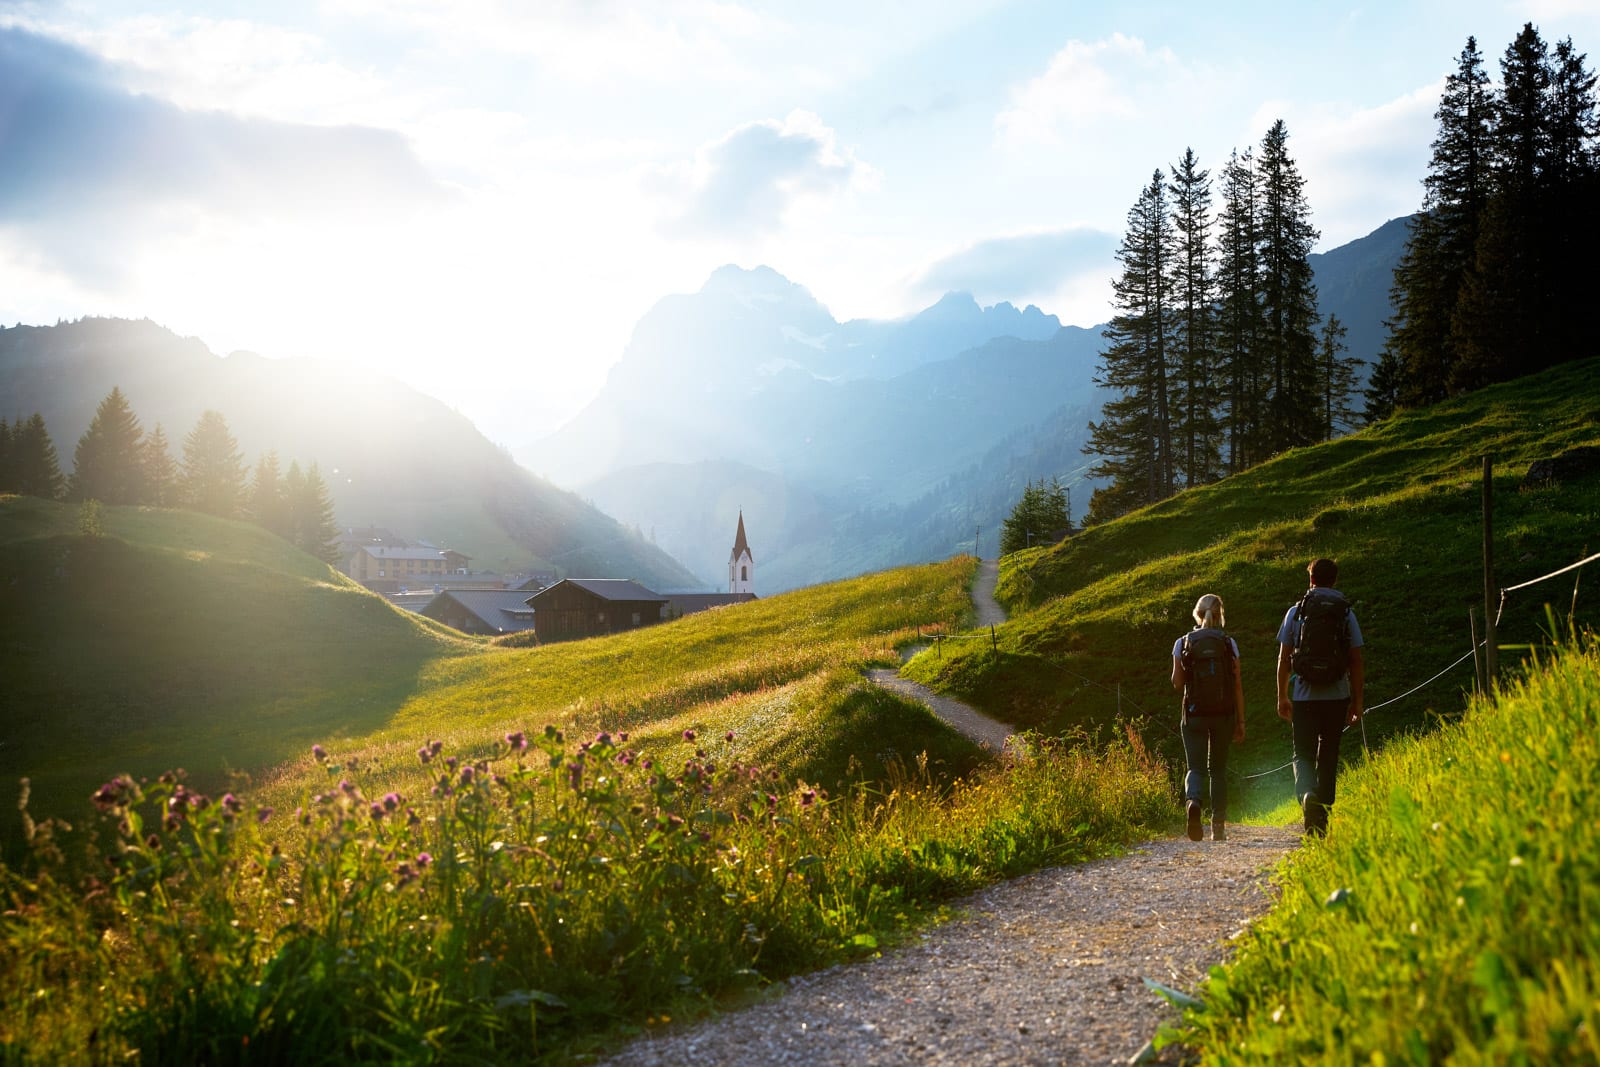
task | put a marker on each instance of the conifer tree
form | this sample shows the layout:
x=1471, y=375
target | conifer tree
x=311, y=513
x=1336, y=380
x=1134, y=434
x=1441, y=247
x=1037, y=518
x=213, y=470
x=269, y=506
x=160, y=472
x=1194, y=293
x=1288, y=296
x=1383, y=387
x=106, y=466
x=35, y=469
x=7, y=479
x=1239, y=324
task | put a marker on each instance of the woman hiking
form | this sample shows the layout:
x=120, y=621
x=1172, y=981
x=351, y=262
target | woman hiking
x=1205, y=666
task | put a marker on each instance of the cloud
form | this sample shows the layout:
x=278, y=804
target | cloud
x=1021, y=267
x=1090, y=84
x=90, y=165
x=748, y=181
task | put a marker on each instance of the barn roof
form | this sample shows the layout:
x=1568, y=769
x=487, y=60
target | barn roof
x=609, y=589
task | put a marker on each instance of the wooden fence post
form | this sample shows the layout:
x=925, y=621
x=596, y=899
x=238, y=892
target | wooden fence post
x=1489, y=605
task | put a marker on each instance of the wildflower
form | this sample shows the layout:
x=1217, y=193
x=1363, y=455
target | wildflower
x=688, y=735
x=347, y=786
x=377, y=811
x=808, y=798
x=622, y=738
x=404, y=875
x=262, y=815
x=517, y=740
x=436, y=747
x=424, y=858
x=451, y=761
x=319, y=753
x=602, y=738
x=425, y=754
x=728, y=737
x=391, y=801
x=231, y=804
x=412, y=818
x=467, y=773
x=705, y=836
x=302, y=816
x=115, y=794
x=153, y=843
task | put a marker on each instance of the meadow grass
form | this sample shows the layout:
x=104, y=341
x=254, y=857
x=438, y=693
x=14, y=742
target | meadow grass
x=1452, y=913
x=1093, y=619
x=548, y=897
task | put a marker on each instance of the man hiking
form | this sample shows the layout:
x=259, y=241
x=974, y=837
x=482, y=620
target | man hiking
x=1319, y=651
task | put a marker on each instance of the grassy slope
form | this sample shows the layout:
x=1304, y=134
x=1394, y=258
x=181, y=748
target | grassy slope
x=180, y=640
x=1398, y=505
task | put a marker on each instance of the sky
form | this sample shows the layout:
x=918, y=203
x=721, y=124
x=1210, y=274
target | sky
x=482, y=197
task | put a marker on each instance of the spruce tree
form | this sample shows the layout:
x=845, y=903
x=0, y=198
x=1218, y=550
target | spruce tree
x=1336, y=380
x=1194, y=292
x=1288, y=297
x=7, y=478
x=1383, y=387
x=1239, y=325
x=310, y=513
x=269, y=507
x=106, y=464
x=1134, y=434
x=213, y=470
x=1570, y=192
x=160, y=472
x=1442, y=245
x=35, y=469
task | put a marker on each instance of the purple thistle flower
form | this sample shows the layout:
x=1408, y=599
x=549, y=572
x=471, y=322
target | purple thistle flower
x=262, y=815
x=377, y=811
x=728, y=736
x=467, y=774
x=319, y=753
x=424, y=858
x=602, y=738
x=622, y=738
x=347, y=786
x=517, y=740
x=425, y=754
x=231, y=803
x=412, y=818
x=688, y=735
x=391, y=801
x=302, y=816
x=451, y=761
x=808, y=798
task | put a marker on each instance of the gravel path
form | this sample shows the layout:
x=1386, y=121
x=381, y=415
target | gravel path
x=1045, y=969
x=1049, y=968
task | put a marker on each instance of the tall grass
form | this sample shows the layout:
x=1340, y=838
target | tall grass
x=1452, y=914
x=517, y=906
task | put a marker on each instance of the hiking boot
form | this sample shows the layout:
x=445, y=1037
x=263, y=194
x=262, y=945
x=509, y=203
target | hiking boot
x=1219, y=831
x=1194, y=821
x=1316, y=816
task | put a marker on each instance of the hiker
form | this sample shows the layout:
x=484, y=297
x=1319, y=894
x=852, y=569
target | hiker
x=1319, y=648
x=1205, y=666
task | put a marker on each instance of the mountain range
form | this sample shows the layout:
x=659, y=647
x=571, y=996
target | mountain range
x=852, y=446
x=848, y=446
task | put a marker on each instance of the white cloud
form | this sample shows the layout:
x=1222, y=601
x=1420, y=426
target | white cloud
x=1091, y=84
x=753, y=178
x=1021, y=268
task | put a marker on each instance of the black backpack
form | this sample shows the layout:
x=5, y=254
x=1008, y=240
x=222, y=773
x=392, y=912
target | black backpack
x=1322, y=648
x=1209, y=667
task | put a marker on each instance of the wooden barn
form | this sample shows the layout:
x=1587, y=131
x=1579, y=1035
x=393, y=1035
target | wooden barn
x=587, y=607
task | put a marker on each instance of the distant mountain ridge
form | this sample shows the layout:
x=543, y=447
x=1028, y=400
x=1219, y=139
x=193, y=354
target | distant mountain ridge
x=391, y=456
x=858, y=445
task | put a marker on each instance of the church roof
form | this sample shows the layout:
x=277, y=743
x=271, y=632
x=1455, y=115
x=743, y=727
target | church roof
x=740, y=544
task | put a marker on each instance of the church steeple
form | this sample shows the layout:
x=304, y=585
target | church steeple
x=741, y=564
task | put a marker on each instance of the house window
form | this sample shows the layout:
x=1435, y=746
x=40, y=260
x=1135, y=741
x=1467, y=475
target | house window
x=637, y=618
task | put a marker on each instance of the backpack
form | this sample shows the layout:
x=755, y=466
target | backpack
x=1209, y=667
x=1322, y=647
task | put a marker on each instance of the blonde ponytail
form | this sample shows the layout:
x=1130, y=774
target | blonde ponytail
x=1208, y=611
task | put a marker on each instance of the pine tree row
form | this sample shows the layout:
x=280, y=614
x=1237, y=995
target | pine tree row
x=1216, y=355
x=1042, y=516
x=1497, y=278
x=116, y=462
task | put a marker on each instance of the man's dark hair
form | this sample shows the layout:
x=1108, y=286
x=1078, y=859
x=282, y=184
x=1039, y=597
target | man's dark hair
x=1324, y=572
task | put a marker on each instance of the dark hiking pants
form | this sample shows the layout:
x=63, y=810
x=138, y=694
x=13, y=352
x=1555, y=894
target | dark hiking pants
x=1205, y=750
x=1317, y=727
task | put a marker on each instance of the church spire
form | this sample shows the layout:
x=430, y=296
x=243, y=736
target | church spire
x=741, y=563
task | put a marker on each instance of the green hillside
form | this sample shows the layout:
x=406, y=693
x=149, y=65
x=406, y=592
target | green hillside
x=174, y=639
x=1398, y=505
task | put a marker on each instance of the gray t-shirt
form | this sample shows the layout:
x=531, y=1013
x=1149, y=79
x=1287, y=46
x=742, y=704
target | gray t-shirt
x=1299, y=688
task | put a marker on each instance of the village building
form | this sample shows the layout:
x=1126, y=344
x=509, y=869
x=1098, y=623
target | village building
x=387, y=570
x=588, y=607
x=482, y=611
x=741, y=564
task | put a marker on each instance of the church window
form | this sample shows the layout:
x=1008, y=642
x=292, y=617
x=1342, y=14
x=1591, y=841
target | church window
x=744, y=574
